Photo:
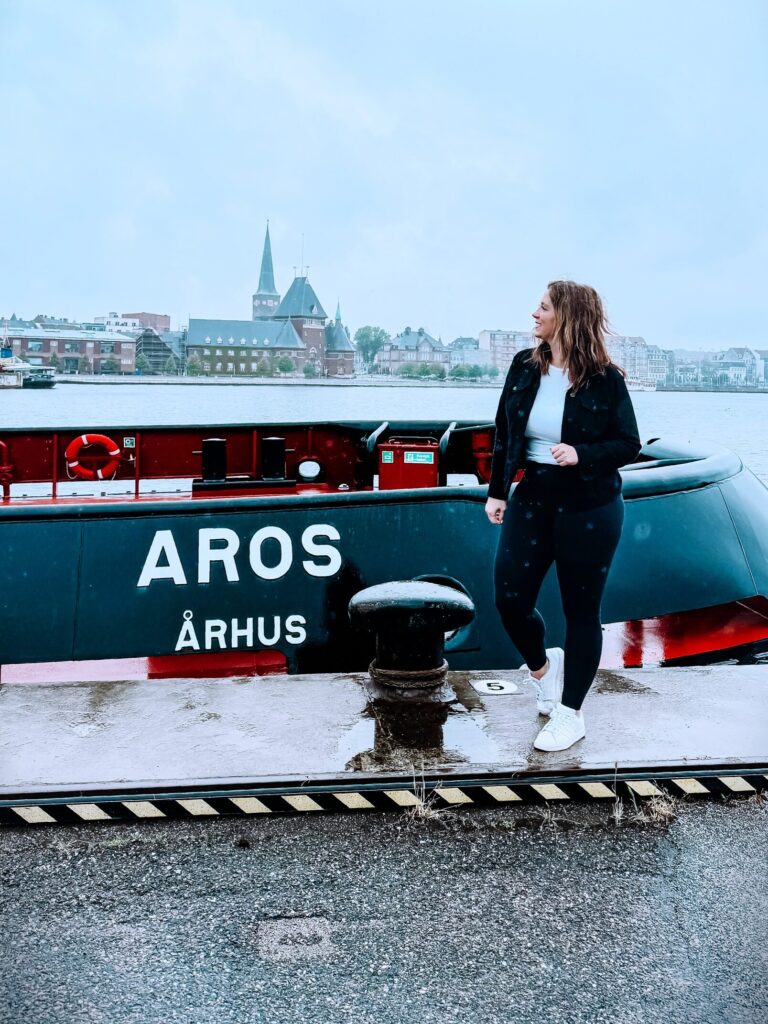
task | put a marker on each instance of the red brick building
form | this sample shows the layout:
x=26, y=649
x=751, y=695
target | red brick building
x=157, y=321
x=68, y=349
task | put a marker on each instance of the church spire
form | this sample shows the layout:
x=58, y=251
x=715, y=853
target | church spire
x=338, y=311
x=267, y=298
x=267, y=275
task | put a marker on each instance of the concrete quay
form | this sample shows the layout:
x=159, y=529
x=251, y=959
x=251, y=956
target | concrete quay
x=194, y=747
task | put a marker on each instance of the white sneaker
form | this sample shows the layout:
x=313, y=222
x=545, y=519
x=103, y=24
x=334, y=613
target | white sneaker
x=549, y=689
x=564, y=728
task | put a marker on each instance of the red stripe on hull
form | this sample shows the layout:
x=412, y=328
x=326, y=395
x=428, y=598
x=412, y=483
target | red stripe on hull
x=222, y=665
x=685, y=634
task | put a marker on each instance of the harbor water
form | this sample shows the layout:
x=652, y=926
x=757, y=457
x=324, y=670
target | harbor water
x=734, y=420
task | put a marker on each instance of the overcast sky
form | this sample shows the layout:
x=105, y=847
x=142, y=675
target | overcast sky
x=442, y=160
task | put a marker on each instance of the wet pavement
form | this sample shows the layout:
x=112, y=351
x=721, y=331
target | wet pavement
x=590, y=915
x=341, y=727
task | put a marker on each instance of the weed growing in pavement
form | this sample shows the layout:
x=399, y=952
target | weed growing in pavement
x=654, y=810
x=424, y=810
x=617, y=811
x=553, y=822
x=657, y=810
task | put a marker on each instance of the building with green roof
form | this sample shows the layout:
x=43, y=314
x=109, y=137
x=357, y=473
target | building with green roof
x=412, y=347
x=292, y=328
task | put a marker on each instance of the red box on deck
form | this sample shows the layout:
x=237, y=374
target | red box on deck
x=408, y=462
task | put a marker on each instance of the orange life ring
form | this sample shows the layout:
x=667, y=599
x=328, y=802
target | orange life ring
x=74, y=448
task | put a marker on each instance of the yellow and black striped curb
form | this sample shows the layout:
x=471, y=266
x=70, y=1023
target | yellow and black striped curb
x=242, y=802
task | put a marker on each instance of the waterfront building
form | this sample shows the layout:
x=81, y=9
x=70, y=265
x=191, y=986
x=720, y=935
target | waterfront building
x=295, y=328
x=156, y=349
x=412, y=347
x=631, y=354
x=69, y=348
x=501, y=347
x=686, y=372
x=339, y=350
x=243, y=347
x=658, y=363
x=302, y=308
x=762, y=370
x=737, y=365
x=466, y=352
x=721, y=371
x=641, y=361
x=177, y=343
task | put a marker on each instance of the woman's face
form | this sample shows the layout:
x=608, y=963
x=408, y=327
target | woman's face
x=544, y=319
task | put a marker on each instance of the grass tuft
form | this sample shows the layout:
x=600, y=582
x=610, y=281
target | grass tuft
x=617, y=811
x=657, y=810
x=424, y=810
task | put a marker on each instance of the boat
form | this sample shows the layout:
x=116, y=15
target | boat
x=640, y=384
x=40, y=377
x=16, y=373
x=236, y=549
x=12, y=371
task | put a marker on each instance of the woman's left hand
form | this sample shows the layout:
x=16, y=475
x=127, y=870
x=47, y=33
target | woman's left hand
x=564, y=454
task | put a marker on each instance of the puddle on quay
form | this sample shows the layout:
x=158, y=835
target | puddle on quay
x=394, y=735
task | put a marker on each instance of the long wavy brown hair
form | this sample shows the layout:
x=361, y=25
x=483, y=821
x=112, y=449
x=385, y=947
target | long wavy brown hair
x=581, y=327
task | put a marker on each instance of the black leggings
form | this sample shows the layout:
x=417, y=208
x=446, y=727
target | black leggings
x=548, y=519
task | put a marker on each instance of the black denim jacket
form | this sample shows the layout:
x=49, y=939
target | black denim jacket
x=599, y=422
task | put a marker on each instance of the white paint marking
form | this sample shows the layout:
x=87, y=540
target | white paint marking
x=354, y=801
x=502, y=793
x=644, y=788
x=250, y=805
x=454, y=796
x=598, y=790
x=197, y=807
x=34, y=815
x=402, y=797
x=89, y=812
x=549, y=791
x=143, y=809
x=737, y=784
x=691, y=786
x=302, y=803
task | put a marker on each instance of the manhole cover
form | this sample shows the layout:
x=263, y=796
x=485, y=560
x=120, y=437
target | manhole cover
x=295, y=938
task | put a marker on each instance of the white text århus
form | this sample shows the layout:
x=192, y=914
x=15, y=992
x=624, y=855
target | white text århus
x=229, y=634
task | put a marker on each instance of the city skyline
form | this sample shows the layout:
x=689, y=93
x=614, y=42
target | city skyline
x=435, y=168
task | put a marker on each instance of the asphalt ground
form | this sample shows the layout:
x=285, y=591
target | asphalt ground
x=557, y=914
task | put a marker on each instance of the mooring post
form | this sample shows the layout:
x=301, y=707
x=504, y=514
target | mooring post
x=410, y=619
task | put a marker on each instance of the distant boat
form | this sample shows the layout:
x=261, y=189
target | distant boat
x=16, y=373
x=640, y=384
x=40, y=377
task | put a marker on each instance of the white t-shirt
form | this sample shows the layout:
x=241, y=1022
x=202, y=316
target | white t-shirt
x=546, y=418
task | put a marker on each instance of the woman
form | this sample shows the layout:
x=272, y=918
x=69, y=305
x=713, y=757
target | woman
x=565, y=415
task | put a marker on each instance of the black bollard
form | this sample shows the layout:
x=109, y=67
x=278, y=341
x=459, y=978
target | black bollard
x=410, y=619
x=214, y=459
x=273, y=458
